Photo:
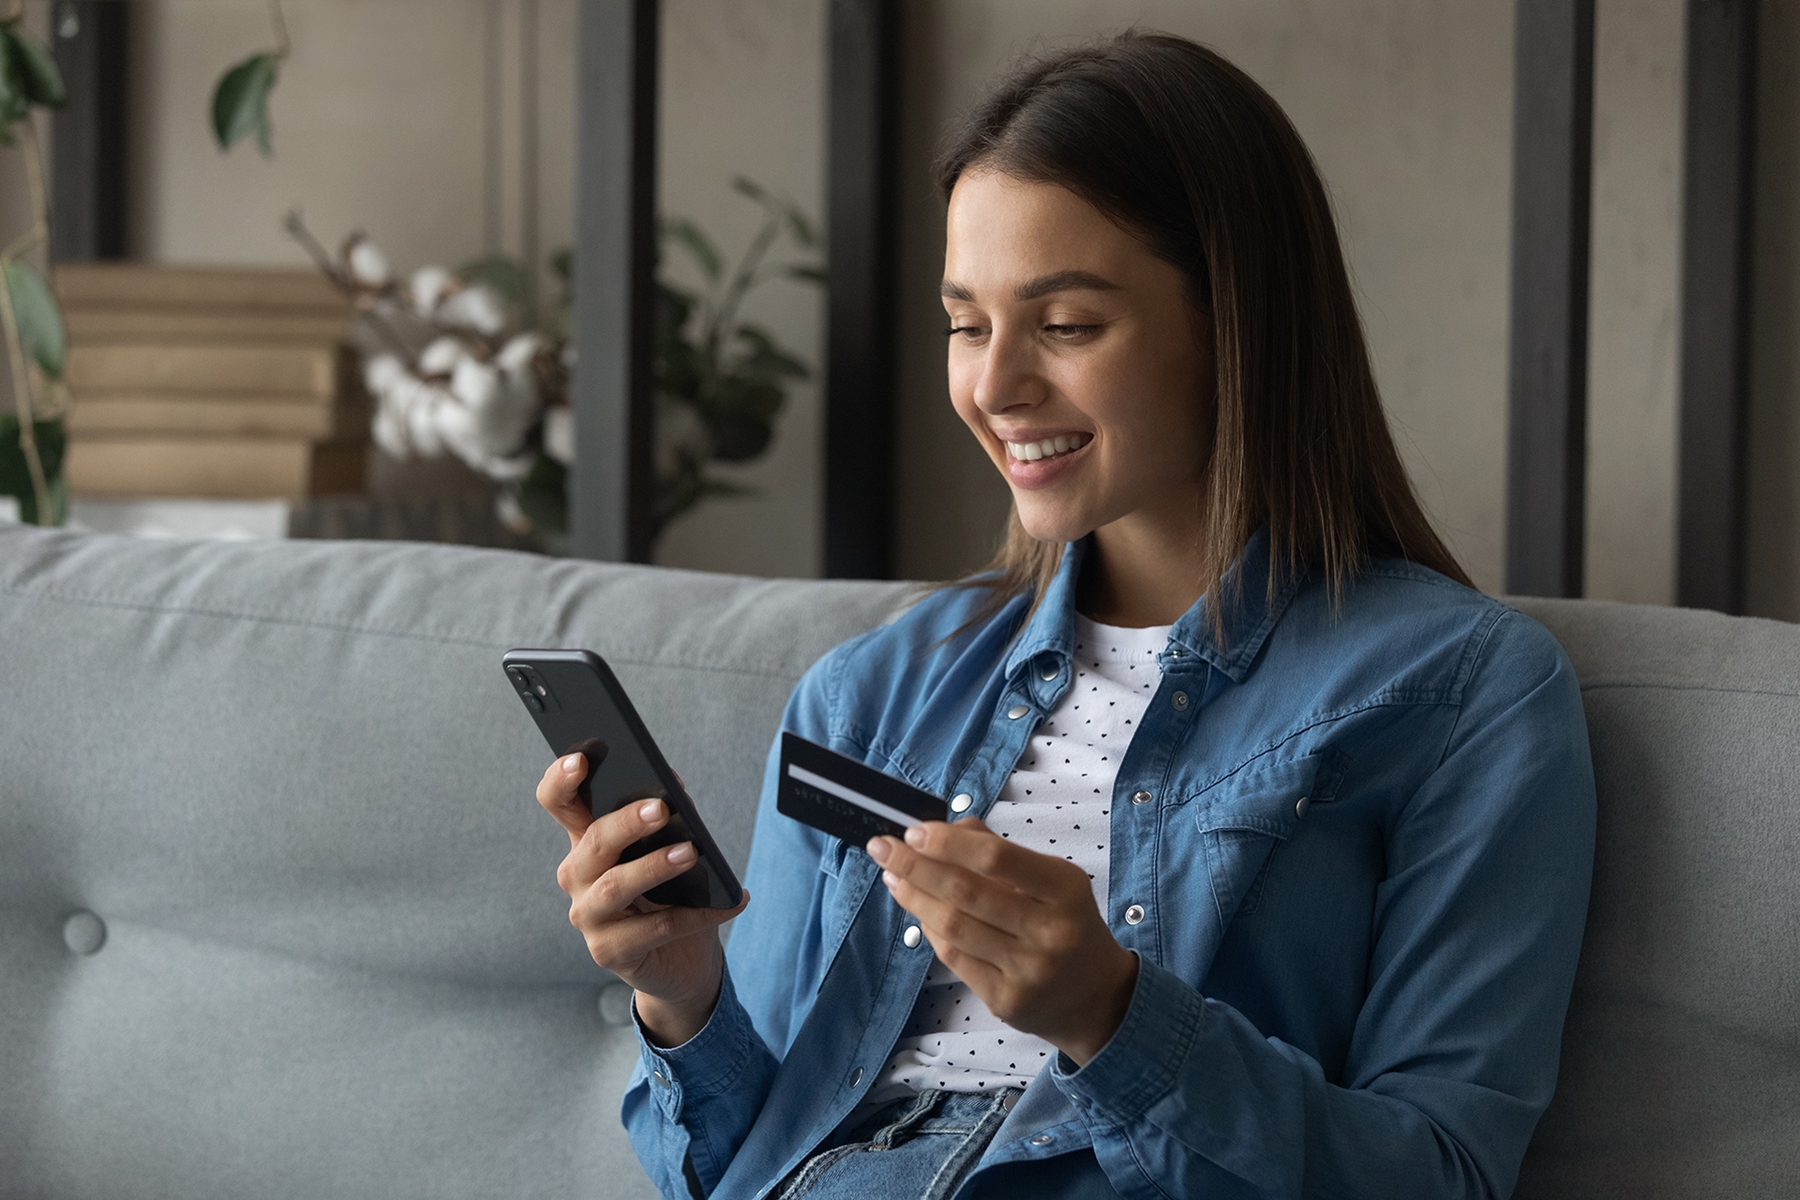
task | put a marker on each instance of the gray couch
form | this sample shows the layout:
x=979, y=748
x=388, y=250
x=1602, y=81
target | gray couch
x=277, y=914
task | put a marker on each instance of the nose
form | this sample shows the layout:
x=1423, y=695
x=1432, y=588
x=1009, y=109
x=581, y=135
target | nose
x=1009, y=376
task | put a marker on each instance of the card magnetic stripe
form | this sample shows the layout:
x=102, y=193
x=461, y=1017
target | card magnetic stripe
x=866, y=803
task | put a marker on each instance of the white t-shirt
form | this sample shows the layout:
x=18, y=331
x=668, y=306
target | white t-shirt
x=1056, y=802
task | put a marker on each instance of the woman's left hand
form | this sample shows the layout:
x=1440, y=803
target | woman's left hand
x=1020, y=928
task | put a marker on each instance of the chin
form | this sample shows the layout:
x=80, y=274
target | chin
x=1053, y=527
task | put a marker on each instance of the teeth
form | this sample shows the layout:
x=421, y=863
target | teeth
x=1047, y=448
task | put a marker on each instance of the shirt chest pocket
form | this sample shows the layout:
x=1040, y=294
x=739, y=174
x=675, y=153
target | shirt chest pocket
x=1244, y=819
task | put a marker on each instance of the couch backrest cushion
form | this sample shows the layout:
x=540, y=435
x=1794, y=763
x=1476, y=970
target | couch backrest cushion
x=1681, y=1055
x=292, y=782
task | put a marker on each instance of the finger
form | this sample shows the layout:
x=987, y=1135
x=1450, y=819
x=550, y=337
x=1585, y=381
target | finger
x=557, y=793
x=973, y=846
x=630, y=938
x=620, y=886
x=991, y=900
x=953, y=928
x=597, y=850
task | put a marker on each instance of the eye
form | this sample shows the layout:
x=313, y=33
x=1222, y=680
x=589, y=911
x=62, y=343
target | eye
x=969, y=332
x=1070, y=333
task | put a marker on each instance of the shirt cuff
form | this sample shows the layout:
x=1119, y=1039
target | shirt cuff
x=1141, y=1062
x=707, y=1064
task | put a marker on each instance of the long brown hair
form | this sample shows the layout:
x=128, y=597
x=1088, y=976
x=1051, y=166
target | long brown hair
x=1179, y=147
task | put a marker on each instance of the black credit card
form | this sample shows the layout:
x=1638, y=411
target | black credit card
x=846, y=799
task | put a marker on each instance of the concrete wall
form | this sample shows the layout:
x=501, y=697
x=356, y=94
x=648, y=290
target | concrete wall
x=388, y=117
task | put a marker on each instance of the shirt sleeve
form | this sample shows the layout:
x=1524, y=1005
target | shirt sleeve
x=688, y=1108
x=1454, y=1054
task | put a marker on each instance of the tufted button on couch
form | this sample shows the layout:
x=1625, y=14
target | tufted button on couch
x=278, y=915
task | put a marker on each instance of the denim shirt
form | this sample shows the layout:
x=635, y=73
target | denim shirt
x=1350, y=846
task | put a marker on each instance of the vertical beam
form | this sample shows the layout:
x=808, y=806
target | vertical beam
x=860, y=220
x=1553, y=120
x=87, y=184
x=612, y=483
x=1719, y=148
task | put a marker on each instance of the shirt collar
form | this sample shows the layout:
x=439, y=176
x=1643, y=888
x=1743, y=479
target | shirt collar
x=1250, y=614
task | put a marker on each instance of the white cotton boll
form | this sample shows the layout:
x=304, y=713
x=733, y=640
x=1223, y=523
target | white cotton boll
x=389, y=432
x=442, y=356
x=422, y=422
x=476, y=307
x=559, y=434
x=428, y=284
x=519, y=352
x=508, y=469
x=459, y=430
x=476, y=384
x=382, y=373
x=368, y=265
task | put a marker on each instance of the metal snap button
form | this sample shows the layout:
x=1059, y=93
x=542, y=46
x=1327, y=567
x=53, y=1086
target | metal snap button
x=912, y=937
x=961, y=802
x=856, y=1077
x=1140, y=797
x=1042, y=1139
x=1049, y=671
x=1174, y=651
x=1134, y=914
x=658, y=1076
x=1300, y=807
x=84, y=932
x=1017, y=711
x=1180, y=701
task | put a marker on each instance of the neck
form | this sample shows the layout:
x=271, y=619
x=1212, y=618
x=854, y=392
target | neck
x=1142, y=572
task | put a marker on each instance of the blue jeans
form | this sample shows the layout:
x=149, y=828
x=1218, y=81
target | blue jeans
x=921, y=1148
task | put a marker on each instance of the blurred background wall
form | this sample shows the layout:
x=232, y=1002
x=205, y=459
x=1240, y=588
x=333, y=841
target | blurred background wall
x=392, y=116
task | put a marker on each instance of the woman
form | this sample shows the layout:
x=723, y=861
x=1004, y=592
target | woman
x=1273, y=837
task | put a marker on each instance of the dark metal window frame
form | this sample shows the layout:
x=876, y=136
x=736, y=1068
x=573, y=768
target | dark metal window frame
x=1552, y=172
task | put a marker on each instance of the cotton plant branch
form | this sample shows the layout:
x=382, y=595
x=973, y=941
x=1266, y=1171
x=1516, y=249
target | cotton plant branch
x=39, y=231
x=15, y=354
x=295, y=225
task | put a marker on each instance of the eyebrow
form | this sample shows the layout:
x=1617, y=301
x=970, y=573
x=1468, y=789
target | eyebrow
x=1043, y=285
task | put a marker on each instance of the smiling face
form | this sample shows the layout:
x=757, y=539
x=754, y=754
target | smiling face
x=1077, y=361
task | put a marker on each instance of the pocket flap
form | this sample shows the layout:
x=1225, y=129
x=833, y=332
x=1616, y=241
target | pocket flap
x=1265, y=797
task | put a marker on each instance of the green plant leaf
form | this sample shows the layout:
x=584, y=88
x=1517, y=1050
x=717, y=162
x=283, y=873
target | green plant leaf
x=690, y=237
x=36, y=69
x=15, y=475
x=13, y=102
x=40, y=324
x=562, y=264
x=507, y=276
x=806, y=274
x=750, y=188
x=766, y=360
x=800, y=226
x=240, y=103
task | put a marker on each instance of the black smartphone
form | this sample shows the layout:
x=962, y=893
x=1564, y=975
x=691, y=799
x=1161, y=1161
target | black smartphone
x=580, y=708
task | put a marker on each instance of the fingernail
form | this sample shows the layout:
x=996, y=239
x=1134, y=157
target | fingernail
x=879, y=850
x=915, y=836
x=891, y=879
x=650, y=810
x=683, y=853
x=572, y=763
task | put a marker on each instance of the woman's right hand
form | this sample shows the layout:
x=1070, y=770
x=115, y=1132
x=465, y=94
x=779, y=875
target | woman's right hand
x=671, y=956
